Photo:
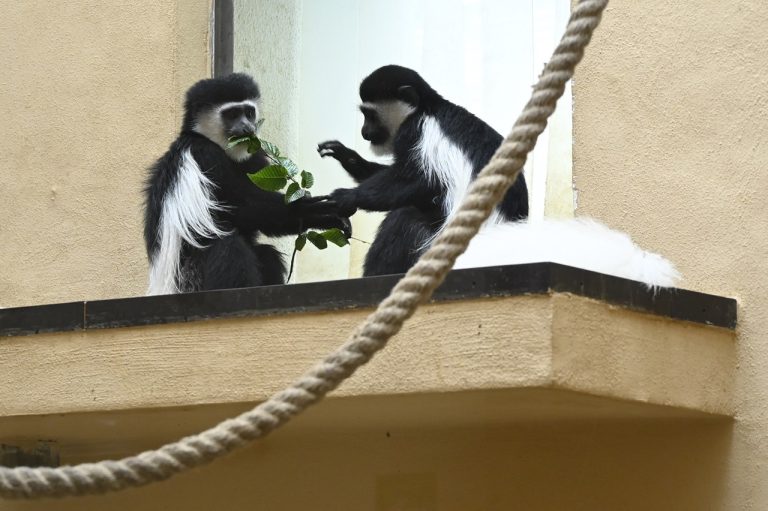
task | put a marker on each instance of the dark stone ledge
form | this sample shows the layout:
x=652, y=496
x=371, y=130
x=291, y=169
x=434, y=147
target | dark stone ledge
x=540, y=278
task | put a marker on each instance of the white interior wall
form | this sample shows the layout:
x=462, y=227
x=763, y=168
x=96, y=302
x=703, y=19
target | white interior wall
x=310, y=57
x=266, y=45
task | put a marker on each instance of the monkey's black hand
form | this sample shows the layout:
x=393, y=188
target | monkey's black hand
x=321, y=205
x=346, y=201
x=328, y=222
x=328, y=206
x=346, y=227
x=339, y=152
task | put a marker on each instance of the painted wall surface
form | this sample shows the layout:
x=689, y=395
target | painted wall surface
x=90, y=95
x=543, y=467
x=671, y=145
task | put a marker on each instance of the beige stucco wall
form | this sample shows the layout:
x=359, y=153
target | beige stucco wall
x=575, y=466
x=90, y=94
x=671, y=144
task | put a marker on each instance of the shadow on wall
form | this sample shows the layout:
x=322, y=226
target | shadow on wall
x=677, y=465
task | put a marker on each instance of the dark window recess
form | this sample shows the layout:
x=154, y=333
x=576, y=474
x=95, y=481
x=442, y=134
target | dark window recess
x=223, y=37
x=535, y=279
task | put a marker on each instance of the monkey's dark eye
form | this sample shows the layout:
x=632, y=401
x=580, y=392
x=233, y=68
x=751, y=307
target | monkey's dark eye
x=230, y=113
x=250, y=113
x=368, y=112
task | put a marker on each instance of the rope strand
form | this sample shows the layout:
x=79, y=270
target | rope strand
x=371, y=336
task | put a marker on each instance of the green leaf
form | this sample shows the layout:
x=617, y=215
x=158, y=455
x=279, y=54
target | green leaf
x=272, y=172
x=292, y=168
x=307, y=179
x=254, y=144
x=271, y=185
x=335, y=236
x=233, y=141
x=301, y=241
x=260, y=122
x=294, y=193
x=317, y=239
x=272, y=178
x=270, y=148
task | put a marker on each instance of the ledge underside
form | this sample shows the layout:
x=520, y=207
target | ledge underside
x=557, y=340
x=83, y=437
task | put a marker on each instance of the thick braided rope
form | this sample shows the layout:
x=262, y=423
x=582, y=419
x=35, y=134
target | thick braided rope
x=413, y=289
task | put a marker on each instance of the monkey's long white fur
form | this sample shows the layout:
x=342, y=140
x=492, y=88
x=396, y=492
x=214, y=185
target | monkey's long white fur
x=580, y=242
x=186, y=215
x=446, y=165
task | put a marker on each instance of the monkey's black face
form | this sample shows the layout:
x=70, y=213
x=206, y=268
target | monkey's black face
x=239, y=120
x=382, y=122
x=373, y=130
x=221, y=122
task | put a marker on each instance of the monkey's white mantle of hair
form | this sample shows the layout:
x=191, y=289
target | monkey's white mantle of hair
x=413, y=289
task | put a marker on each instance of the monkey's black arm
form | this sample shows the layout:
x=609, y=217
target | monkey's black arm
x=267, y=212
x=356, y=166
x=249, y=208
x=385, y=191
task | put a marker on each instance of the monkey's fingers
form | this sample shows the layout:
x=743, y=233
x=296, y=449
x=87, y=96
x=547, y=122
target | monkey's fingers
x=330, y=144
x=318, y=207
x=334, y=221
x=346, y=227
x=312, y=200
x=333, y=207
x=332, y=148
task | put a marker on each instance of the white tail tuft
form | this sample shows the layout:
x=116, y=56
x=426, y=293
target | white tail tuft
x=580, y=242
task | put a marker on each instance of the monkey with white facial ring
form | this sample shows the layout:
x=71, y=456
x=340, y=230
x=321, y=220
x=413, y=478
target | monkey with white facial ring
x=438, y=148
x=203, y=216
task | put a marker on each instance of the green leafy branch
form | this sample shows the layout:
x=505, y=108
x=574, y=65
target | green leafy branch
x=282, y=173
x=276, y=176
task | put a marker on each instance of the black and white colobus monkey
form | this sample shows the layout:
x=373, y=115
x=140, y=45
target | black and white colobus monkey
x=203, y=214
x=438, y=148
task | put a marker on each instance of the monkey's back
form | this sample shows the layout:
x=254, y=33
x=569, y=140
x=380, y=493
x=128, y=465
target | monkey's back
x=479, y=141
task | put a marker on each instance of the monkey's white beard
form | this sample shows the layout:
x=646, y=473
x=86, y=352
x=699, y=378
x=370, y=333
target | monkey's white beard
x=386, y=149
x=186, y=215
x=580, y=242
x=391, y=114
x=210, y=126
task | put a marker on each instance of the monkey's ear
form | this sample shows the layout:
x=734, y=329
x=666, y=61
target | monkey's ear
x=408, y=94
